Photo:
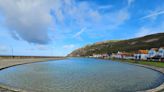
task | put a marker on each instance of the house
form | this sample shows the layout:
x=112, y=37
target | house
x=161, y=52
x=114, y=55
x=105, y=55
x=141, y=55
x=156, y=54
x=123, y=55
x=100, y=55
x=152, y=52
x=128, y=56
x=118, y=55
x=96, y=55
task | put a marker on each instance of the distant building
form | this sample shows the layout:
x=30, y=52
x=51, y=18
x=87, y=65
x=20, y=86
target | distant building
x=123, y=55
x=105, y=55
x=100, y=55
x=161, y=52
x=97, y=55
x=141, y=55
x=152, y=52
x=155, y=54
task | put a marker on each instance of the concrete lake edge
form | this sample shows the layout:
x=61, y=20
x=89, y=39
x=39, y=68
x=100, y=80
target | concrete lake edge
x=161, y=70
x=160, y=88
x=5, y=88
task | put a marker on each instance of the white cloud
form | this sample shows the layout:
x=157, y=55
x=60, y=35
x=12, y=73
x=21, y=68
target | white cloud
x=70, y=46
x=41, y=47
x=143, y=31
x=150, y=30
x=153, y=14
x=3, y=48
x=82, y=14
x=80, y=32
x=105, y=7
x=117, y=18
x=30, y=19
x=130, y=2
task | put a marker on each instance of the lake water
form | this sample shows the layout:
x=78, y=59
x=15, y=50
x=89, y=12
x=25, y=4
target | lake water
x=80, y=75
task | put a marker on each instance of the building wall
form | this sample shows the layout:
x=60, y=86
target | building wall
x=161, y=52
x=151, y=53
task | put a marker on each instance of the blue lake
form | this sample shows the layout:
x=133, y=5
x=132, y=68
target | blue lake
x=81, y=75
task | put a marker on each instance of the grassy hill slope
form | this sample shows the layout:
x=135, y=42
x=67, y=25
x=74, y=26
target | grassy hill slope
x=130, y=45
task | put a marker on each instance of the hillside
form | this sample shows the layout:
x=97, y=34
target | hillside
x=130, y=45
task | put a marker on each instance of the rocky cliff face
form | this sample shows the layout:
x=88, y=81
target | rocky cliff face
x=130, y=45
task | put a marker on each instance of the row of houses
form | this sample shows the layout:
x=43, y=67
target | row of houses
x=154, y=54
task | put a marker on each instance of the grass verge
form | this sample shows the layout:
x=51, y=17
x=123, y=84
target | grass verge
x=150, y=63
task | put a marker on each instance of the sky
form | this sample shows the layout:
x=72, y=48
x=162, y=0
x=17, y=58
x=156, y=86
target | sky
x=57, y=27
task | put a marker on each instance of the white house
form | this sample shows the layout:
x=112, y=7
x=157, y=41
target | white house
x=141, y=55
x=96, y=55
x=152, y=52
x=123, y=55
x=161, y=52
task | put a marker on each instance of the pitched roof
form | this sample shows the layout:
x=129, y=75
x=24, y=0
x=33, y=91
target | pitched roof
x=143, y=51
